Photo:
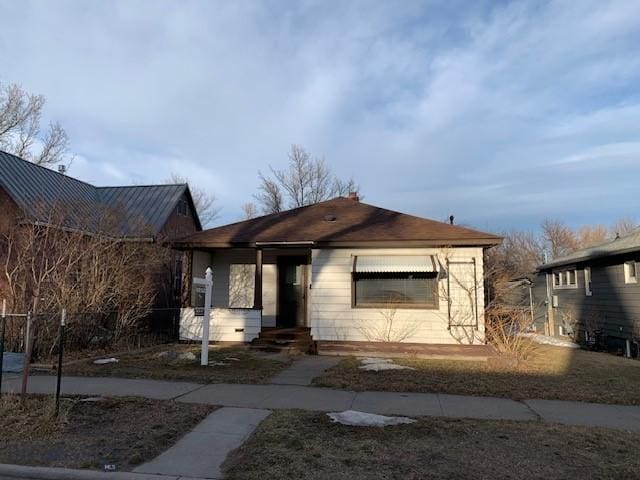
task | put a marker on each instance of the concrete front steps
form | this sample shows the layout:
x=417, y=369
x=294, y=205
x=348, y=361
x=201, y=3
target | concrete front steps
x=286, y=340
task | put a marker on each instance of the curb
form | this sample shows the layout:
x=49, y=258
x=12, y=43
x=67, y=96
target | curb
x=50, y=473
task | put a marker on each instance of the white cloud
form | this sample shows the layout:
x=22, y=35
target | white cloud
x=473, y=109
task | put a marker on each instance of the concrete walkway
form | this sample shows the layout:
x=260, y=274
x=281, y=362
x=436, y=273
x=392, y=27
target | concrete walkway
x=305, y=369
x=201, y=452
x=325, y=400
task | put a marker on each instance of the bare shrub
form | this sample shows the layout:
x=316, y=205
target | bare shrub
x=391, y=328
x=504, y=330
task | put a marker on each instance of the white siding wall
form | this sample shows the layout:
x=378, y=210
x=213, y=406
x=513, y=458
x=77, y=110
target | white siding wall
x=229, y=283
x=333, y=318
x=224, y=324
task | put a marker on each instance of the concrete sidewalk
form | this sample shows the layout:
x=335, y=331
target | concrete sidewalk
x=201, y=452
x=303, y=370
x=325, y=400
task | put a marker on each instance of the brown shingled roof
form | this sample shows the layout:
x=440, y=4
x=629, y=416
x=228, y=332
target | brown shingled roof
x=340, y=222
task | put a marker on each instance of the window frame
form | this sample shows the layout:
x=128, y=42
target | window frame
x=588, y=284
x=628, y=278
x=563, y=277
x=397, y=306
x=182, y=208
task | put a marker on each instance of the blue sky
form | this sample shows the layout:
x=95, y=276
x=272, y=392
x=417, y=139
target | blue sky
x=499, y=113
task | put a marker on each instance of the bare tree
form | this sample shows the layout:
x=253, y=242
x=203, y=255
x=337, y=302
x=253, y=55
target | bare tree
x=624, y=226
x=205, y=202
x=20, y=131
x=269, y=195
x=590, y=235
x=249, y=211
x=305, y=181
x=559, y=239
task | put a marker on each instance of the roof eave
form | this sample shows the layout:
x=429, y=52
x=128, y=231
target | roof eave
x=475, y=242
x=586, y=258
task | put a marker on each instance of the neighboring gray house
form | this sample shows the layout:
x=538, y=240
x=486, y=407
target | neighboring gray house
x=594, y=294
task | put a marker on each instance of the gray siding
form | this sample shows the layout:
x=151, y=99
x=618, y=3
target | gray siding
x=539, y=292
x=614, y=305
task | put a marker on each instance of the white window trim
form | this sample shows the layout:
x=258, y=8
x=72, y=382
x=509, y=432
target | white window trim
x=627, y=272
x=588, y=291
x=564, y=279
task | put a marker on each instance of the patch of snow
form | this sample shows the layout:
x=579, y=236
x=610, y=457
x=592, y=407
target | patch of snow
x=362, y=419
x=233, y=359
x=218, y=364
x=377, y=367
x=370, y=360
x=378, y=364
x=547, y=340
x=92, y=399
x=187, y=356
x=105, y=361
x=168, y=355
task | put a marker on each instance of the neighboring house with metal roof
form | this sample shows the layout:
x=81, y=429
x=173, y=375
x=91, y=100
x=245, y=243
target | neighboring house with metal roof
x=35, y=194
x=337, y=272
x=594, y=294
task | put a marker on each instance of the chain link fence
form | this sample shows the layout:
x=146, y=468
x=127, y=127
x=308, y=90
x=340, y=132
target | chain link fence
x=87, y=331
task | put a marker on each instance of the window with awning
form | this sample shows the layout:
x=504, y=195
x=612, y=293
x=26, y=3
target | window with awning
x=395, y=263
x=395, y=281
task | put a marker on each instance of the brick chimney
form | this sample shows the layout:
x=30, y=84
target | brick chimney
x=353, y=196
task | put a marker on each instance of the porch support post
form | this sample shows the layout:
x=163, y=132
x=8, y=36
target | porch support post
x=257, y=290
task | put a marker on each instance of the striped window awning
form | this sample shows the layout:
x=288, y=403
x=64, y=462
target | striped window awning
x=395, y=263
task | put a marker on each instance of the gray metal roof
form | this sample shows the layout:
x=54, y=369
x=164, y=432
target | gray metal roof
x=626, y=244
x=142, y=210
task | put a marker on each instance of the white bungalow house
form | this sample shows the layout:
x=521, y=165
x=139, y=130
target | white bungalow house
x=342, y=271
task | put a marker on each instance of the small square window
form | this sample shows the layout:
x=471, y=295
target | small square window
x=630, y=272
x=557, y=279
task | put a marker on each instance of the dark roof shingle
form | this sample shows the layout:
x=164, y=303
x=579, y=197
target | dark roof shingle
x=339, y=222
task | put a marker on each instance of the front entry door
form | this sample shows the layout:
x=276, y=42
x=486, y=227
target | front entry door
x=292, y=273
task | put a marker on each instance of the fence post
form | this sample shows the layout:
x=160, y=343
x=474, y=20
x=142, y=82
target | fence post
x=2, y=327
x=204, y=354
x=27, y=357
x=63, y=318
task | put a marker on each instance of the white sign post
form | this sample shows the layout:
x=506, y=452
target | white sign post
x=208, y=283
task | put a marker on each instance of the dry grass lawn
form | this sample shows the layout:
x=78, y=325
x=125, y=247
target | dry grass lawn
x=304, y=445
x=551, y=373
x=242, y=366
x=125, y=431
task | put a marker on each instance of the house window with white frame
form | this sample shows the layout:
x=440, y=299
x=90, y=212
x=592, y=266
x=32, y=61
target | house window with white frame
x=565, y=279
x=631, y=272
x=587, y=282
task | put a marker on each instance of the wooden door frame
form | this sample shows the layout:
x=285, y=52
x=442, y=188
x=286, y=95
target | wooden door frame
x=295, y=260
